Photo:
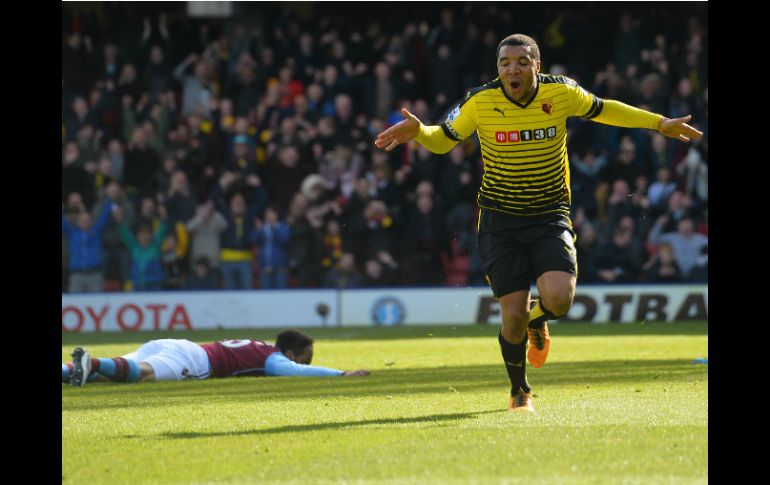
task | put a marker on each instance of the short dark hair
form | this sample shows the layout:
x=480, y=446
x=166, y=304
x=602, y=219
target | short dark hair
x=519, y=39
x=293, y=340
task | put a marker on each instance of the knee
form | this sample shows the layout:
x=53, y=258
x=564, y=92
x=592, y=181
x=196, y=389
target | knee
x=146, y=372
x=558, y=304
x=515, y=314
x=515, y=318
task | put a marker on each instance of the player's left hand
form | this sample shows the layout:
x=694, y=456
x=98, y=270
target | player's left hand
x=355, y=373
x=679, y=129
x=401, y=132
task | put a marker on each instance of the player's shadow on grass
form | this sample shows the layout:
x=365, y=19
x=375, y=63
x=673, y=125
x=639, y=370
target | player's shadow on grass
x=435, y=418
x=381, y=383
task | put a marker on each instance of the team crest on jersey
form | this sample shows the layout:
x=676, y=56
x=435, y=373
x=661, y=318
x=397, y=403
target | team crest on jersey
x=547, y=106
x=454, y=114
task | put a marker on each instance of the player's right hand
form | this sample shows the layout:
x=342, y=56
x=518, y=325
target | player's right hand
x=401, y=132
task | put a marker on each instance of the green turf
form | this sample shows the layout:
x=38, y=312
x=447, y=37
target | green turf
x=615, y=404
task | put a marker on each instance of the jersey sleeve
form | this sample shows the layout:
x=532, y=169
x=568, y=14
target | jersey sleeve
x=459, y=124
x=462, y=121
x=608, y=111
x=620, y=114
x=278, y=365
x=581, y=102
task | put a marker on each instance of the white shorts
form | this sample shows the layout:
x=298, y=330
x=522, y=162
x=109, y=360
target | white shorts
x=173, y=359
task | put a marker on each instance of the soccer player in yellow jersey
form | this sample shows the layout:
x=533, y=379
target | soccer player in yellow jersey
x=525, y=232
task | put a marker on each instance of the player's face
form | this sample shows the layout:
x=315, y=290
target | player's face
x=518, y=69
x=305, y=357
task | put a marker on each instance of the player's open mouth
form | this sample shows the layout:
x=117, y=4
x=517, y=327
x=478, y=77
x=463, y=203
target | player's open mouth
x=515, y=85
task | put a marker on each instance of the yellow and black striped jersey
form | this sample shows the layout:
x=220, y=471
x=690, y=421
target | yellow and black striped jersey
x=524, y=147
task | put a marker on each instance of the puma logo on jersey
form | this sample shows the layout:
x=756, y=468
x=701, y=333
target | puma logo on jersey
x=501, y=111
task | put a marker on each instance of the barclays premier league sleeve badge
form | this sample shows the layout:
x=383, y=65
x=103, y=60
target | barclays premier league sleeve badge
x=454, y=114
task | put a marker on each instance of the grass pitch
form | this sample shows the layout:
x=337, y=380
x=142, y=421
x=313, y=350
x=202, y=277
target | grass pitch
x=614, y=404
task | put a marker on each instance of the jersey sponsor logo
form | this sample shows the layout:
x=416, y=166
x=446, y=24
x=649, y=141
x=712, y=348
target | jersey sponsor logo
x=234, y=344
x=525, y=135
x=547, y=106
x=454, y=114
x=388, y=311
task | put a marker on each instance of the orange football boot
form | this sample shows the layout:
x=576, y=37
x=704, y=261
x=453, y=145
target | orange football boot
x=521, y=402
x=539, y=344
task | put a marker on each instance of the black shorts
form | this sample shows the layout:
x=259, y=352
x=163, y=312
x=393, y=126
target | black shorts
x=515, y=251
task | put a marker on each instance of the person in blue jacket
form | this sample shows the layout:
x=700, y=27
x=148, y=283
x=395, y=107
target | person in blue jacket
x=85, y=249
x=272, y=237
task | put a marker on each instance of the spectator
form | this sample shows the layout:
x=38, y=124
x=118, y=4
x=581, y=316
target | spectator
x=613, y=260
x=660, y=191
x=700, y=272
x=236, y=255
x=141, y=163
x=687, y=243
x=173, y=259
x=146, y=252
x=457, y=186
x=201, y=277
x=116, y=259
x=77, y=62
x=344, y=274
x=662, y=266
x=196, y=88
x=179, y=200
x=426, y=239
x=85, y=250
x=586, y=246
x=306, y=245
x=272, y=237
x=585, y=176
x=205, y=229
x=332, y=244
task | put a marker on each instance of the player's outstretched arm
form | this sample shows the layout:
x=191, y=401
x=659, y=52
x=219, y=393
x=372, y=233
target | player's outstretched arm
x=401, y=132
x=278, y=365
x=679, y=129
x=617, y=113
x=431, y=137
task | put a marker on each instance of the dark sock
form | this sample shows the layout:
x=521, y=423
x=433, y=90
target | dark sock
x=539, y=314
x=514, y=356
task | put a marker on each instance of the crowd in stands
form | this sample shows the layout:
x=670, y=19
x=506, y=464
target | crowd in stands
x=237, y=154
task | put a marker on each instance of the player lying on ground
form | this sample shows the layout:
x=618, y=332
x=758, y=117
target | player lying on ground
x=525, y=233
x=178, y=359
